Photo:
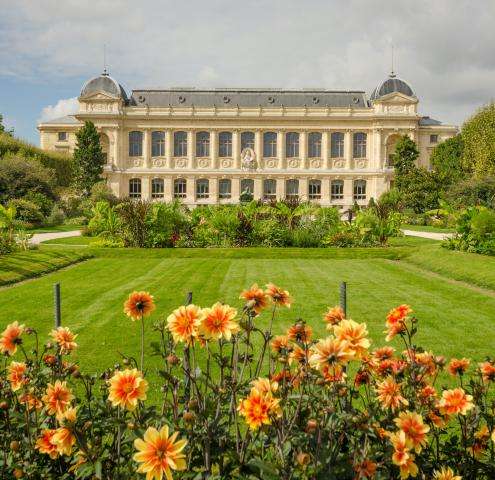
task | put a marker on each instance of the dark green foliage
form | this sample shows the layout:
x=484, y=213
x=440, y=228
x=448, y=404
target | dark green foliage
x=472, y=191
x=134, y=222
x=446, y=160
x=27, y=212
x=405, y=156
x=88, y=158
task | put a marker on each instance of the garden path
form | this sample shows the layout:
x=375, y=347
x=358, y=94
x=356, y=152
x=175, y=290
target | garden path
x=430, y=235
x=42, y=237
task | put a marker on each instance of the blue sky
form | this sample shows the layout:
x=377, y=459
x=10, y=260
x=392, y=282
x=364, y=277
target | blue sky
x=48, y=48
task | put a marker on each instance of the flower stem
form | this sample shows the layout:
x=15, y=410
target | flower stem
x=142, y=344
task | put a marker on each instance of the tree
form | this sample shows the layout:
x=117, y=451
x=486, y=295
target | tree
x=88, y=158
x=478, y=135
x=2, y=127
x=405, y=156
x=446, y=159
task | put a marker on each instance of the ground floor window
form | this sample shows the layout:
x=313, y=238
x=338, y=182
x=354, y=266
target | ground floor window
x=225, y=188
x=292, y=189
x=135, y=188
x=202, y=188
x=359, y=189
x=157, y=188
x=337, y=189
x=269, y=189
x=180, y=186
x=314, y=189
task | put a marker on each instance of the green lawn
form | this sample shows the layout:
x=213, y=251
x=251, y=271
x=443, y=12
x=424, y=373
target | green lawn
x=427, y=228
x=455, y=319
x=56, y=228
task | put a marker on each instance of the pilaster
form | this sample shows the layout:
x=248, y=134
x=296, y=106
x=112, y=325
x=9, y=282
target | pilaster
x=303, y=189
x=190, y=189
x=280, y=190
x=236, y=189
x=348, y=149
x=303, y=149
x=145, y=187
x=258, y=147
x=213, y=187
x=236, y=153
x=258, y=188
x=191, y=149
x=348, y=191
x=214, y=149
x=281, y=149
x=169, y=145
x=146, y=148
x=325, y=191
x=325, y=149
x=168, y=188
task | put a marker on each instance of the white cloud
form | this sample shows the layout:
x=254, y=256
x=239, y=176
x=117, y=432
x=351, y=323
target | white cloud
x=65, y=106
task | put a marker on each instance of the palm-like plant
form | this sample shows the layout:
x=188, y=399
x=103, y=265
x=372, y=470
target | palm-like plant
x=291, y=215
x=7, y=220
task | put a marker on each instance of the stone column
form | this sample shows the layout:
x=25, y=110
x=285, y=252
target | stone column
x=169, y=145
x=258, y=146
x=213, y=182
x=145, y=188
x=348, y=148
x=236, y=149
x=147, y=149
x=303, y=149
x=280, y=189
x=281, y=149
x=235, y=189
x=325, y=150
x=348, y=191
x=191, y=149
x=214, y=149
x=190, y=190
x=168, y=185
x=258, y=188
x=303, y=189
x=325, y=191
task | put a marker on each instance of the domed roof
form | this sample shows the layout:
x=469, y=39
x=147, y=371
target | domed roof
x=392, y=84
x=103, y=83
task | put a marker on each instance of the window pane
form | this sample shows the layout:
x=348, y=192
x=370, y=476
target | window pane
x=359, y=145
x=157, y=188
x=224, y=188
x=135, y=188
x=314, y=145
x=157, y=144
x=203, y=144
x=292, y=188
x=337, y=189
x=180, y=144
x=359, y=189
x=202, y=188
x=247, y=140
x=269, y=188
x=225, y=144
x=337, y=145
x=247, y=185
x=62, y=136
x=135, y=144
x=292, y=144
x=180, y=188
x=269, y=144
x=314, y=189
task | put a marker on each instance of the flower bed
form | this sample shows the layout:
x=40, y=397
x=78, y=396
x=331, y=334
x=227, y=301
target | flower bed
x=293, y=408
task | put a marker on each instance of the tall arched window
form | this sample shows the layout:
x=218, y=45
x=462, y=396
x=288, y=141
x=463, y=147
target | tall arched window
x=247, y=140
x=180, y=144
x=269, y=189
x=314, y=145
x=135, y=188
x=359, y=189
x=157, y=144
x=269, y=144
x=292, y=144
x=314, y=189
x=157, y=188
x=225, y=144
x=337, y=190
x=247, y=185
x=337, y=145
x=202, y=188
x=359, y=150
x=203, y=144
x=135, y=144
x=224, y=188
x=180, y=188
x=292, y=189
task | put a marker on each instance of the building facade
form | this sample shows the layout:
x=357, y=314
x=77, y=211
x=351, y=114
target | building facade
x=210, y=146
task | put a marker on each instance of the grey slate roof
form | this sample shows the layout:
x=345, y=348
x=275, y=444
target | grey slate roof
x=428, y=122
x=247, y=97
x=67, y=120
x=103, y=83
x=390, y=85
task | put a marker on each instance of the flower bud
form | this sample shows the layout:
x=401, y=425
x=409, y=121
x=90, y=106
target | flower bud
x=4, y=406
x=131, y=426
x=18, y=473
x=303, y=459
x=311, y=426
x=173, y=359
x=126, y=361
x=189, y=417
x=15, y=445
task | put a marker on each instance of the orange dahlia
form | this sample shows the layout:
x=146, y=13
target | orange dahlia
x=299, y=355
x=395, y=322
x=445, y=473
x=258, y=409
x=264, y=385
x=218, y=321
x=300, y=332
x=65, y=339
x=184, y=323
x=401, y=456
x=57, y=398
x=11, y=337
x=256, y=298
x=159, y=453
x=30, y=401
x=64, y=440
x=389, y=394
x=280, y=345
x=45, y=443
x=330, y=351
x=139, y=305
x=412, y=425
x=355, y=334
x=383, y=353
x=487, y=371
x=333, y=373
x=126, y=388
x=16, y=375
x=458, y=366
x=365, y=470
x=455, y=401
x=333, y=316
x=278, y=296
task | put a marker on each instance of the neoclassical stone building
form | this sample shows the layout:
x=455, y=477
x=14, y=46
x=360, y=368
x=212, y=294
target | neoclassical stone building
x=209, y=146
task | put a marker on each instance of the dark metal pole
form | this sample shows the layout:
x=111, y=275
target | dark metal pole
x=343, y=297
x=56, y=305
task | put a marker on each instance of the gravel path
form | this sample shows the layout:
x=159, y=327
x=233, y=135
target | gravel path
x=430, y=235
x=43, y=237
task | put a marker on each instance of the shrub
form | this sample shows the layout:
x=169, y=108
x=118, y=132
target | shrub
x=27, y=212
x=237, y=403
x=56, y=217
x=472, y=192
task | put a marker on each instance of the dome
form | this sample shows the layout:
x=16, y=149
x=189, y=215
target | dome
x=103, y=83
x=391, y=85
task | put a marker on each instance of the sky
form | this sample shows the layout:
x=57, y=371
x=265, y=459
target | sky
x=48, y=48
